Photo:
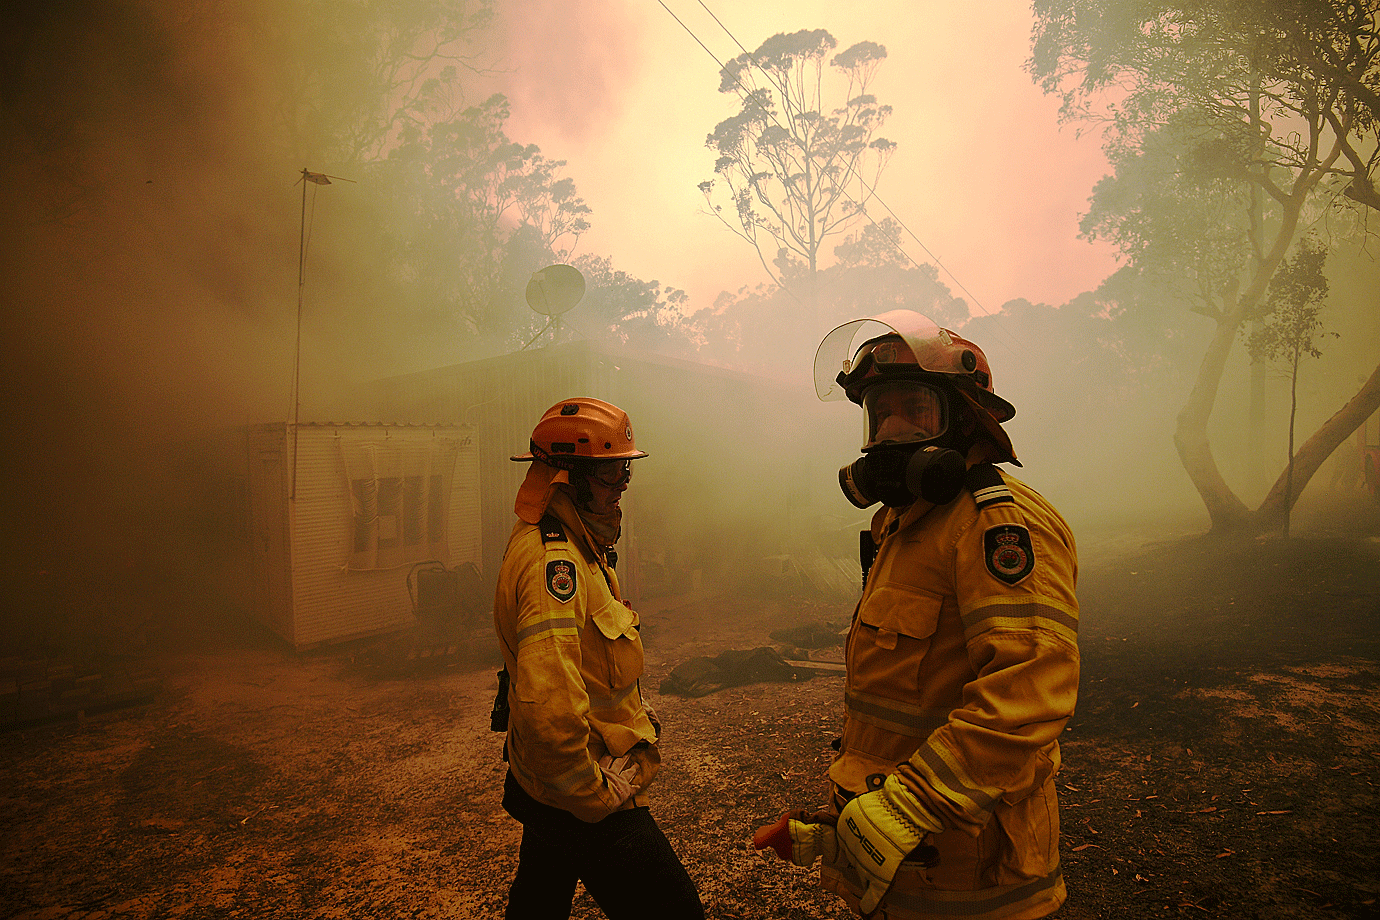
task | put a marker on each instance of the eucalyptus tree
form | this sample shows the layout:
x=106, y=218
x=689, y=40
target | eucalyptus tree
x=754, y=328
x=477, y=213
x=626, y=310
x=1232, y=127
x=798, y=162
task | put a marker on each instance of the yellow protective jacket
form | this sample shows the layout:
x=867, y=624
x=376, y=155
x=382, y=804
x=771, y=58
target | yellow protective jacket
x=574, y=658
x=962, y=672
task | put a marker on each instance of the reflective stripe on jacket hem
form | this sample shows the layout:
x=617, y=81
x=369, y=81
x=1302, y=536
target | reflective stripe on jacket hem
x=1035, y=898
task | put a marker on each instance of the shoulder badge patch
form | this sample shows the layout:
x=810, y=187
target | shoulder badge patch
x=1009, y=553
x=560, y=579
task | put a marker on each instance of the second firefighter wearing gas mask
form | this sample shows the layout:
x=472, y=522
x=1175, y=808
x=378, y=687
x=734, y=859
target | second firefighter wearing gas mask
x=907, y=452
x=927, y=399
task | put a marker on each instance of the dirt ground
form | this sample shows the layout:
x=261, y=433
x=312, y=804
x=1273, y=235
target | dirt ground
x=1222, y=762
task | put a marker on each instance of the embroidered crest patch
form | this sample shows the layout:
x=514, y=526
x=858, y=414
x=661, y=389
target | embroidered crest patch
x=560, y=579
x=1009, y=553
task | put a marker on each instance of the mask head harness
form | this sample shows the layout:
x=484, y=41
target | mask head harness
x=926, y=396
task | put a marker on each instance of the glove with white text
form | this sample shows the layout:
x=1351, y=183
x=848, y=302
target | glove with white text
x=877, y=830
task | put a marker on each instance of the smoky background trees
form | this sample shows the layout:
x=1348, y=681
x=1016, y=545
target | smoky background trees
x=451, y=215
x=153, y=225
x=1236, y=131
x=153, y=221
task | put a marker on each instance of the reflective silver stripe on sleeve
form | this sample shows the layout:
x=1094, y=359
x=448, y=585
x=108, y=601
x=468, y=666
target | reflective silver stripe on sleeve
x=1020, y=613
x=546, y=627
x=892, y=715
x=980, y=903
x=582, y=776
x=611, y=702
x=944, y=776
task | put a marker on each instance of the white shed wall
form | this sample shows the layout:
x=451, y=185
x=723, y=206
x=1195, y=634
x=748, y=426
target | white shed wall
x=329, y=602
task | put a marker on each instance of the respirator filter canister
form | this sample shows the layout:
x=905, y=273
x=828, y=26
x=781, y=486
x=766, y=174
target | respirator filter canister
x=898, y=476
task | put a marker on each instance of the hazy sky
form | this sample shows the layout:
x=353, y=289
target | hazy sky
x=984, y=176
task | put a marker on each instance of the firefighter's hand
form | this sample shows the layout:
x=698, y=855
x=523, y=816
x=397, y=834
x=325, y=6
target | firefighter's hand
x=620, y=775
x=879, y=829
x=799, y=837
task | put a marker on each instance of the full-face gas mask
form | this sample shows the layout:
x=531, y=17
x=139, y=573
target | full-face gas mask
x=904, y=454
x=927, y=397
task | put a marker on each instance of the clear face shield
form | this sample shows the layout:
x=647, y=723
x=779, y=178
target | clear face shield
x=925, y=346
x=903, y=412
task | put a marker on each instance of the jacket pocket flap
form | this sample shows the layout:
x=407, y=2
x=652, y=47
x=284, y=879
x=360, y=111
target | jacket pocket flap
x=901, y=609
x=614, y=619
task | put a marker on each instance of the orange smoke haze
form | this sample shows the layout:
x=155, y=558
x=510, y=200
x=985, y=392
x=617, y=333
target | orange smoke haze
x=152, y=214
x=984, y=176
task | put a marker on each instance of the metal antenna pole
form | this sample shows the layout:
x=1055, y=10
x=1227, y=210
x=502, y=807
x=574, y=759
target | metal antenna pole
x=315, y=179
x=297, y=358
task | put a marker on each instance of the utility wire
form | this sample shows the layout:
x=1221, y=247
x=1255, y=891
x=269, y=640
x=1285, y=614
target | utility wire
x=722, y=26
x=871, y=190
x=690, y=32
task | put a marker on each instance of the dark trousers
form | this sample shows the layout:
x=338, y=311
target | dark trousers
x=625, y=862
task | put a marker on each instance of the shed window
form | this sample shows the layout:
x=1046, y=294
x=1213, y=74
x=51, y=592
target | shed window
x=414, y=509
x=389, y=512
x=435, y=516
x=398, y=502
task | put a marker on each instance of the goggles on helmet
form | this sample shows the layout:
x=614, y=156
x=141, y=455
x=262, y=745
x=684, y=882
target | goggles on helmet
x=611, y=473
x=903, y=411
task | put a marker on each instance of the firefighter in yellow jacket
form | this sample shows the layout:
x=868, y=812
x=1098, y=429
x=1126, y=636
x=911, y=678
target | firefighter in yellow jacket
x=962, y=658
x=582, y=743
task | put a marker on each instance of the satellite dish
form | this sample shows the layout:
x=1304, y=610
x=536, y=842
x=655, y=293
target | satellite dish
x=555, y=289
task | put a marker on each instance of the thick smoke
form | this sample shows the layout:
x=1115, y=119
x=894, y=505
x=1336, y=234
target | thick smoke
x=149, y=253
x=565, y=65
x=153, y=220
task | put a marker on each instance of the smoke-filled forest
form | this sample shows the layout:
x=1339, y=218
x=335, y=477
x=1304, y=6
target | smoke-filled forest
x=327, y=222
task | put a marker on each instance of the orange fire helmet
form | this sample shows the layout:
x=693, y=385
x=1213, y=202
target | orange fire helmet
x=909, y=345
x=582, y=429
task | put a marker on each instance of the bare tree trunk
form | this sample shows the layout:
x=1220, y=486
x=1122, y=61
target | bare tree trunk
x=1319, y=447
x=1225, y=510
x=1289, y=492
x=1190, y=433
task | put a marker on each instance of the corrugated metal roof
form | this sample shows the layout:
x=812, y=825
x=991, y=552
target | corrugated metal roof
x=455, y=426
x=620, y=354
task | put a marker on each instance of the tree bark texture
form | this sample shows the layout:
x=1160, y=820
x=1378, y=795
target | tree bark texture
x=1319, y=447
x=1225, y=510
